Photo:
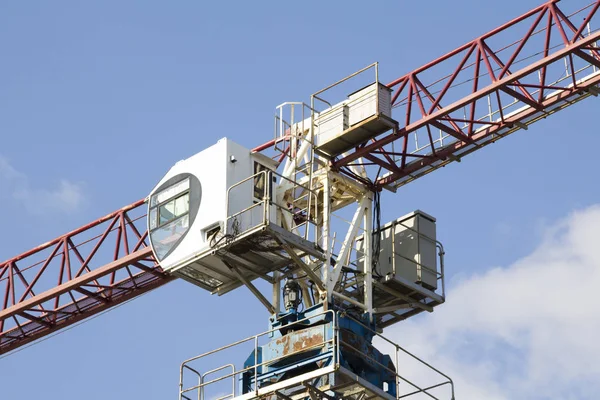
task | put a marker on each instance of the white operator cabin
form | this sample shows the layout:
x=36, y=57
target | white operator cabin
x=189, y=209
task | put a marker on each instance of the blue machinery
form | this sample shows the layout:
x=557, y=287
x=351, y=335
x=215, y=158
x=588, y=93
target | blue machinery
x=314, y=354
x=308, y=345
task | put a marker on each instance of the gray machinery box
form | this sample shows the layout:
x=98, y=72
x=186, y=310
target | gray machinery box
x=408, y=251
x=365, y=114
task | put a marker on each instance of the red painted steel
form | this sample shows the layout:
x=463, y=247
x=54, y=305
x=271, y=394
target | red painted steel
x=75, y=276
x=108, y=261
x=487, y=95
x=524, y=70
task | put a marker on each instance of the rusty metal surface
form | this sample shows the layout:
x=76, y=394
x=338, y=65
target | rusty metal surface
x=299, y=341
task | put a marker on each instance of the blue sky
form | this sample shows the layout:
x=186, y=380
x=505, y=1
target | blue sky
x=99, y=99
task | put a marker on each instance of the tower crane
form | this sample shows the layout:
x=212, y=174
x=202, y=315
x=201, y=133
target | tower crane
x=301, y=212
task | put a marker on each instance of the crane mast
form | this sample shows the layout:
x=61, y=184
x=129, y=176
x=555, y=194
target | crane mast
x=327, y=162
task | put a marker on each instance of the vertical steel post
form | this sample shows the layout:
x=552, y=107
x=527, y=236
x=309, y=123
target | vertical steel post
x=293, y=141
x=276, y=292
x=397, y=373
x=377, y=109
x=180, y=382
x=311, y=161
x=368, y=255
x=201, y=384
x=325, y=235
x=256, y=365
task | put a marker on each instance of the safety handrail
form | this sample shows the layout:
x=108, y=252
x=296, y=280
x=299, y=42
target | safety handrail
x=257, y=365
x=336, y=343
x=400, y=348
x=267, y=200
x=212, y=371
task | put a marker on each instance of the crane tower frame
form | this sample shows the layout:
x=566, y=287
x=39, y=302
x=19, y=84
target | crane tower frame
x=448, y=108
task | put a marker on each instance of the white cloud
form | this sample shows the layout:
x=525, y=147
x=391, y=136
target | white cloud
x=7, y=171
x=66, y=197
x=526, y=331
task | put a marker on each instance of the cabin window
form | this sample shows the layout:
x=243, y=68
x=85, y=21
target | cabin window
x=168, y=218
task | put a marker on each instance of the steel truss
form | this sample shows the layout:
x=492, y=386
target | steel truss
x=75, y=276
x=552, y=60
x=490, y=92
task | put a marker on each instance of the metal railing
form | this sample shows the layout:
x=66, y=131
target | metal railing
x=297, y=137
x=398, y=350
x=330, y=347
x=202, y=381
x=494, y=113
x=356, y=259
x=319, y=95
x=301, y=210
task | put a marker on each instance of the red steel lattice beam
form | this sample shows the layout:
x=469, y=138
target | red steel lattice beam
x=547, y=40
x=108, y=261
x=75, y=276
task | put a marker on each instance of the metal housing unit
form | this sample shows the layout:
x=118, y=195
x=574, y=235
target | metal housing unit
x=406, y=272
x=364, y=115
x=408, y=250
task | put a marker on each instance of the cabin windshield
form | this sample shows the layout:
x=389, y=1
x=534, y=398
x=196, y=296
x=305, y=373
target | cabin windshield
x=168, y=217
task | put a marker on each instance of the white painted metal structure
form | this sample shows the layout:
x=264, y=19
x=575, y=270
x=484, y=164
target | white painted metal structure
x=227, y=217
x=256, y=218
